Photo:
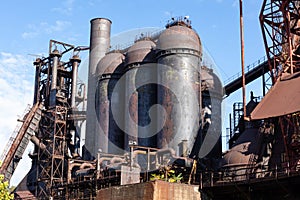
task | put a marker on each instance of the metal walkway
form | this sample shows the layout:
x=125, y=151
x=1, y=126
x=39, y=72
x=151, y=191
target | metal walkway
x=252, y=72
x=19, y=140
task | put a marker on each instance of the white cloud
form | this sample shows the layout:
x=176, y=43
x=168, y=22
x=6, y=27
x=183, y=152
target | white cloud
x=66, y=7
x=57, y=27
x=214, y=26
x=168, y=14
x=16, y=91
x=29, y=35
x=45, y=28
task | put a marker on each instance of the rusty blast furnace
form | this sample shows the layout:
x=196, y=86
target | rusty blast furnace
x=163, y=69
x=154, y=112
x=149, y=108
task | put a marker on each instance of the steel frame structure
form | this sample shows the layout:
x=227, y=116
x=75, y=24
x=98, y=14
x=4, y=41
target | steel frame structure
x=279, y=21
x=54, y=125
x=280, y=24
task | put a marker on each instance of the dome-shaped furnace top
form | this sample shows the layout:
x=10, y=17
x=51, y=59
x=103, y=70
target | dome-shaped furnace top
x=179, y=37
x=110, y=64
x=210, y=81
x=141, y=51
x=245, y=145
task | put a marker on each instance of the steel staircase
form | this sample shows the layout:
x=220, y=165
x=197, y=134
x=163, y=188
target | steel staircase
x=19, y=140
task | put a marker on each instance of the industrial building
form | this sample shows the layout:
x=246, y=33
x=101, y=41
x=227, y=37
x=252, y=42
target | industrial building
x=151, y=115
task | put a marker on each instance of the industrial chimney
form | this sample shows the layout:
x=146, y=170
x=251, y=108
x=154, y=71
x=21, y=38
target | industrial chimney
x=99, y=46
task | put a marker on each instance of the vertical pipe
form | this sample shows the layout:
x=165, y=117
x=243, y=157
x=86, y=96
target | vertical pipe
x=55, y=54
x=99, y=45
x=36, y=97
x=242, y=58
x=290, y=40
x=185, y=148
x=230, y=126
x=84, y=97
x=75, y=61
x=264, y=83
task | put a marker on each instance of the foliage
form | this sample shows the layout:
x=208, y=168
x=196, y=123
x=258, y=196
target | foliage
x=4, y=189
x=167, y=175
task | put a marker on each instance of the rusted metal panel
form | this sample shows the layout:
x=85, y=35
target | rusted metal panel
x=24, y=195
x=282, y=99
x=130, y=175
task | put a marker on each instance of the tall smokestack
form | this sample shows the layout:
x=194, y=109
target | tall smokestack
x=99, y=45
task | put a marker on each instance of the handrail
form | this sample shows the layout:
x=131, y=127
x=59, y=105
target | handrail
x=241, y=174
x=15, y=143
x=14, y=134
x=247, y=69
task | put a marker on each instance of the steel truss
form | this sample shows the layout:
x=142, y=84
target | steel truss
x=53, y=88
x=280, y=23
x=280, y=27
x=51, y=160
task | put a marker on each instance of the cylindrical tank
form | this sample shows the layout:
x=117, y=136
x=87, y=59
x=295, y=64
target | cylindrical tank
x=75, y=60
x=110, y=138
x=99, y=45
x=55, y=55
x=140, y=99
x=212, y=94
x=179, y=54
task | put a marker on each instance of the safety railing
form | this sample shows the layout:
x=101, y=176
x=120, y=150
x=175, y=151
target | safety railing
x=247, y=69
x=14, y=134
x=246, y=174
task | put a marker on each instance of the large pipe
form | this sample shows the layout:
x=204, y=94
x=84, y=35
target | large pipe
x=39, y=144
x=55, y=54
x=36, y=97
x=75, y=62
x=172, y=154
x=99, y=45
x=243, y=59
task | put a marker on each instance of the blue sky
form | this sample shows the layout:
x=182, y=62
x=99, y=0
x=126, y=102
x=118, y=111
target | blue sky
x=28, y=27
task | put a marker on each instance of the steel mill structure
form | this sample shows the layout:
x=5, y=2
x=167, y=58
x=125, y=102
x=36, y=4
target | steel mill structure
x=153, y=116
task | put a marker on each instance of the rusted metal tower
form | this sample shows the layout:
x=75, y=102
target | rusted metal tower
x=280, y=23
x=280, y=26
x=55, y=89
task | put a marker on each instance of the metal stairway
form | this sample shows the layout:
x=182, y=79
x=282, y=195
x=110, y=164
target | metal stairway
x=19, y=140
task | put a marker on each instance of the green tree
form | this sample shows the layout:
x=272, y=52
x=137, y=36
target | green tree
x=167, y=175
x=4, y=189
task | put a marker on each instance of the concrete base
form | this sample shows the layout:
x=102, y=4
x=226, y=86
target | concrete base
x=154, y=190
